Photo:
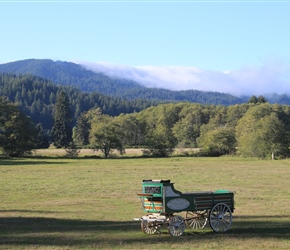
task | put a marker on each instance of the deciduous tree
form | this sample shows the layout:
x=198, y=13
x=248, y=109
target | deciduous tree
x=17, y=132
x=220, y=141
x=107, y=138
x=260, y=133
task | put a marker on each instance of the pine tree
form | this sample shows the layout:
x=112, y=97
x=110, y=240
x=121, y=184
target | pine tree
x=62, y=130
x=42, y=139
x=82, y=131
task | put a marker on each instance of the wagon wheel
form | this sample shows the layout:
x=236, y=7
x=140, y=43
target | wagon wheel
x=176, y=226
x=220, y=218
x=148, y=228
x=196, y=220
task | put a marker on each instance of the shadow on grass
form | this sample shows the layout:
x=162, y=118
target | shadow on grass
x=261, y=226
x=27, y=211
x=40, y=231
x=19, y=162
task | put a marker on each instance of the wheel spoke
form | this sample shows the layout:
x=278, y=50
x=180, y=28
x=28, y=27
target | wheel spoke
x=192, y=223
x=227, y=215
x=225, y=224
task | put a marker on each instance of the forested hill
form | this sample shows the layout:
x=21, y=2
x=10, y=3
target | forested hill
x=37, y=96
x=71, y=74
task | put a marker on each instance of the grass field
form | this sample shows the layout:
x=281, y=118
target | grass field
x=86, y=203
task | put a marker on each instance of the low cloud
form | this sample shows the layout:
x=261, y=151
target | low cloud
x=271, y=77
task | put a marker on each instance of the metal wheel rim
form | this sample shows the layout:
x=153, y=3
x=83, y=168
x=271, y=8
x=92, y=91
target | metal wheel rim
x=147, y=229
x=176, y=226
x=196, y=220
x=220, y=218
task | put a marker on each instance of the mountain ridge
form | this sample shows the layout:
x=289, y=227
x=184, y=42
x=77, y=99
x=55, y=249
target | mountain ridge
x=76, y=75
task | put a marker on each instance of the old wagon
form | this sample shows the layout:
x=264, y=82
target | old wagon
x=161, y=201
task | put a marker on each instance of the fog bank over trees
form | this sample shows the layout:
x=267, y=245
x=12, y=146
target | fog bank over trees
x=268, y=78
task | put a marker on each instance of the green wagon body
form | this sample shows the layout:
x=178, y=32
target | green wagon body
x=160, y=196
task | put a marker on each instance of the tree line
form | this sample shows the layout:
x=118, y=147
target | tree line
x=256, y=129
x=253, y=129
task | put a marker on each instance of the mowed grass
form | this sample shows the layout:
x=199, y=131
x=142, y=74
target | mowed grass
x=52, y=203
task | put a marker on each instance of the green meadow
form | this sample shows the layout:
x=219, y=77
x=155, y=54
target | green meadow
x=90, y=203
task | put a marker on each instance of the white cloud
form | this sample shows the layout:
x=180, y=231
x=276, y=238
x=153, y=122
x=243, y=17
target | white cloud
x=271, y=77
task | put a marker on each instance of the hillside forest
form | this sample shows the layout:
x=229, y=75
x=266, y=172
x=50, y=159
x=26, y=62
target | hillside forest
x=77, y=76
x=35, y=113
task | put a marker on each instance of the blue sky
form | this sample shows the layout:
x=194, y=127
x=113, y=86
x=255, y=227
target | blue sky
x=163, y=38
